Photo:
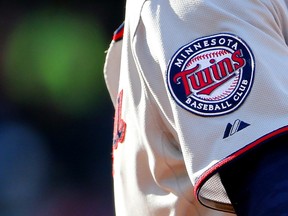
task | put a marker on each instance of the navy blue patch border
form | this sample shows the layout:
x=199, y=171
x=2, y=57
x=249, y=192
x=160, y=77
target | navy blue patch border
x=178, y=94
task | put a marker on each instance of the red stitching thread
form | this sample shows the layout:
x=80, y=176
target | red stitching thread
x=208, y=56
x=227, y=92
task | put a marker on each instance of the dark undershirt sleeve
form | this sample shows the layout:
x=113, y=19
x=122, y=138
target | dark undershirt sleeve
x=257, y=183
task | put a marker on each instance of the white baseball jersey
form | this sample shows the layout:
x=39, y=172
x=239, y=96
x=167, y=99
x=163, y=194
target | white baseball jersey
x=195, y=84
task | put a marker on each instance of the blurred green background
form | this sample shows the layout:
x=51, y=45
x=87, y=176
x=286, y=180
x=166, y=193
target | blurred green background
x=56, y=117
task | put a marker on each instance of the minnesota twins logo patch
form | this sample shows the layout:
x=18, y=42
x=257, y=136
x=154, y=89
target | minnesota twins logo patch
x=212, y=75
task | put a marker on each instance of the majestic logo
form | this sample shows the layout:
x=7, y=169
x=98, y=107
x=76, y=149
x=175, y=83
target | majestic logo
x=212, y=75
x=237, y=126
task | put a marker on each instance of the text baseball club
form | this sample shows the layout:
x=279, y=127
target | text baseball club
x=218, y=106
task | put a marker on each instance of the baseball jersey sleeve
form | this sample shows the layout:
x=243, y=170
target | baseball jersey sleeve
x=199, y=84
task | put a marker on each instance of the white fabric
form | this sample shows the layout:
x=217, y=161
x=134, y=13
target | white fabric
x=166, y=148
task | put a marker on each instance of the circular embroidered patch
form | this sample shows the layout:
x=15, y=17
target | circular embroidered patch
x=212, y=75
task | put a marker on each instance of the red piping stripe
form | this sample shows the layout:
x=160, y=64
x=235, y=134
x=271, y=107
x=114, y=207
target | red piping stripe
x=118, y=34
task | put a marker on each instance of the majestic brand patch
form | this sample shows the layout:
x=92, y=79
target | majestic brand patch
x=212, y=75
x=237, y=126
